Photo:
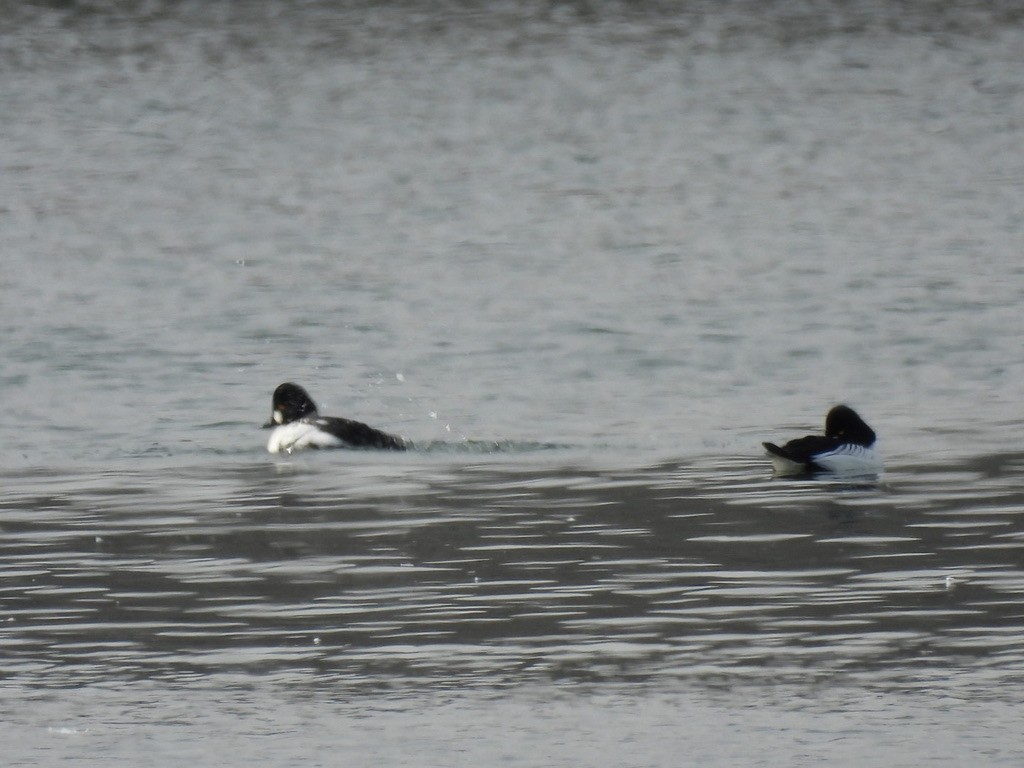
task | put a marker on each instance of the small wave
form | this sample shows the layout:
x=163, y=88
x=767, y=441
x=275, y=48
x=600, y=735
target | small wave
x=486, y=447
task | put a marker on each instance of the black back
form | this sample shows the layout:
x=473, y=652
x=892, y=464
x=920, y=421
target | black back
x=359, y=435
x=804, y=449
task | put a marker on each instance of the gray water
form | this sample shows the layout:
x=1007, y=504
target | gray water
x=586, y=258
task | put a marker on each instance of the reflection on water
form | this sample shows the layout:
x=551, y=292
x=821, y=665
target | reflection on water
x=484, y=573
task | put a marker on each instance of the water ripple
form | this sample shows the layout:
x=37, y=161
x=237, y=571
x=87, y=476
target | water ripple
x=496, y=571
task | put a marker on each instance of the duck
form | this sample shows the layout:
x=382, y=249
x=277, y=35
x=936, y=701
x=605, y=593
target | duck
x=847, y=447
x=298, y=425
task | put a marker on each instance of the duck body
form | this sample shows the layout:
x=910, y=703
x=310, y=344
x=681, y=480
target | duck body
x=297, y=426
x=847, y=447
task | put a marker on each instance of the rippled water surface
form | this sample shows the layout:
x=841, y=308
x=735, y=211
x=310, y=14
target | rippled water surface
x=586, y=258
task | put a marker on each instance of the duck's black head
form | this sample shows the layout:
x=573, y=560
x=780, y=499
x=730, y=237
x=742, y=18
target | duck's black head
x=843, y=422
x=291, y=402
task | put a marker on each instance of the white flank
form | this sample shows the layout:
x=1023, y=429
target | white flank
x=299, y=435
x=851, y=460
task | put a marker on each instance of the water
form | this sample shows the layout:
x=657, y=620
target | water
x=586, y=260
